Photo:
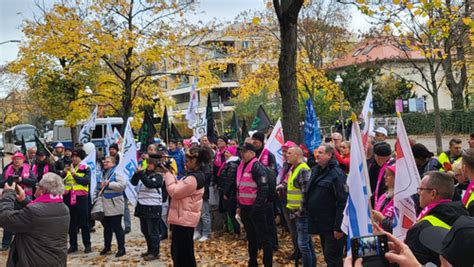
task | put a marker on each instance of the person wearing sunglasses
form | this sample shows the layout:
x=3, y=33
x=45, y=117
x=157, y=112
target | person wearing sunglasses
x=436, y=191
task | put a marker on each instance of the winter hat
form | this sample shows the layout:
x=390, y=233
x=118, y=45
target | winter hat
x=80, y=153
x=115, y=146
x=260, y=136
x=232, y=150
x=382, y=149
x=59, y=145
x=420, y=151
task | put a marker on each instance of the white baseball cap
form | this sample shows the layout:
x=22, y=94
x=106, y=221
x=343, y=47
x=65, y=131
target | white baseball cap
x=381, y=130
x=59, y=145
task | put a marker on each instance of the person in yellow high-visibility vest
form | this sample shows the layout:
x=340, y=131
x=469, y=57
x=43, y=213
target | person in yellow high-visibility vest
x=468, y=171
x=297, y=184
x=436, y=191
x=76, y=197
x=454, y=154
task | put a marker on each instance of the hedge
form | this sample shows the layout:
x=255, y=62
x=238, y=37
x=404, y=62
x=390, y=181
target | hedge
x=452, y=122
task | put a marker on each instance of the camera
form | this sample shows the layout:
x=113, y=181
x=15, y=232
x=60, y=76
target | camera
x=371, y=248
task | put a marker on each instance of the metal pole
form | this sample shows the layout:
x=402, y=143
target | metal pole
x=222, y=116
x=341, y=118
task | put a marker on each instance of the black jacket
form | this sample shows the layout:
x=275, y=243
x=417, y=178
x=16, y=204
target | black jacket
x=150, y=180
x=326, y=198
x=259, y=175
x=228, y=178
x=448, y=213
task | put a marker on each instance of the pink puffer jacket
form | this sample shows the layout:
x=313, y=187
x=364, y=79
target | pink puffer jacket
x=186, y=200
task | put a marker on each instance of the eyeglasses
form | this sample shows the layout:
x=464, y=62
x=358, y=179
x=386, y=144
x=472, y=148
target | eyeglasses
x=419, y=189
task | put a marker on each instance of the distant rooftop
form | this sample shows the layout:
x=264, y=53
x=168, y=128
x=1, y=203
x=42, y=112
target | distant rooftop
x=381, y=49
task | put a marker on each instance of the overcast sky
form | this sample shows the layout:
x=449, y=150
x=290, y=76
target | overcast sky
x=12, y=12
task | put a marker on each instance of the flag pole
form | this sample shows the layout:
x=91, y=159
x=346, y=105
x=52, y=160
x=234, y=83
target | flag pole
x=365, y=169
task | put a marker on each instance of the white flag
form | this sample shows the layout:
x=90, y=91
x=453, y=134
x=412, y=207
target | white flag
x=274, y=144
x=407, y=180
x=109, y=136
x=201, y=126
x=192, y=108
x=91, y=162
x=128, y=163
x=357, y=221
x=366, y=115
x=117, y=137
x=89, y=126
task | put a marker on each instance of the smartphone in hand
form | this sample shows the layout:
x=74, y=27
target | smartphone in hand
x=371, y=249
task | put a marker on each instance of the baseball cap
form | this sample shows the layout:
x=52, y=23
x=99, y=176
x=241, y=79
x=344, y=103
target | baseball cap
x=455, y=245
x=381, y=130
x=58, y=145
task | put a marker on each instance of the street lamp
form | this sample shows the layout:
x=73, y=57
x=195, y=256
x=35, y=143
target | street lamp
x=10, y=41
x=88, y=90
x=339, y=81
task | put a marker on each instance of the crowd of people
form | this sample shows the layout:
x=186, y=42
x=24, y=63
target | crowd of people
x=46, y=200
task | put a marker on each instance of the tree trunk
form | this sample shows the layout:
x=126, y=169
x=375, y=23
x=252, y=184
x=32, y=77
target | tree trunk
x=74, y=137
x=437, y=122
x=287, y=13
x=458, y=98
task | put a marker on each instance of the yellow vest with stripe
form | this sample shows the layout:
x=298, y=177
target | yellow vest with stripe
x=435, y=221
x=294, y=195
x=70, y=182
x=443, y=158
x=470, y=199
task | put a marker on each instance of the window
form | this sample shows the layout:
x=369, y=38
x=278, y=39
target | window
x=245, y=44
x=98, y=132
x=357, y=52
x=368, y=49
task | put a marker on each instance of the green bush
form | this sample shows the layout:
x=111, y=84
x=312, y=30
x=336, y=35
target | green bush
x=452, y=122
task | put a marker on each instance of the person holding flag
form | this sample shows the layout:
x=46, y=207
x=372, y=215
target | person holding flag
x=384, y=210
x=76, y=197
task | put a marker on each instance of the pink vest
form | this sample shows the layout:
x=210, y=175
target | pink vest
x=246, y=186
x=25, y=173
x=35, y=169
x=264, y=157
x=386, y=211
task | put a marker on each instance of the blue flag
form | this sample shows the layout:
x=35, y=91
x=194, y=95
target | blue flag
x=312, y=135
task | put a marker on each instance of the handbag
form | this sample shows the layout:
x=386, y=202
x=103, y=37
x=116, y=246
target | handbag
x=97, y=212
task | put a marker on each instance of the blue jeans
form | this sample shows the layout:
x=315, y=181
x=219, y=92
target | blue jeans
x=204, y=226
x=305, y=244
x=7, y=238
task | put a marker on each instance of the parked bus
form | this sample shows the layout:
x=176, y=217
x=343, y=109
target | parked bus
x=12, y=137
x=62, y=133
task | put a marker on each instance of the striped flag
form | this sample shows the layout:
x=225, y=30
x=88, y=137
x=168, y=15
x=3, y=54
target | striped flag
x=366, y=115
x=357, y=215
x=407, y=180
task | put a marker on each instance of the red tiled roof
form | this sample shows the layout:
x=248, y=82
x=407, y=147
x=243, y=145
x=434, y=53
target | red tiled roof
x=373, y=50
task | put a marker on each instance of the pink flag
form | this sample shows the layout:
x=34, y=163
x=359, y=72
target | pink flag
x=407, y=180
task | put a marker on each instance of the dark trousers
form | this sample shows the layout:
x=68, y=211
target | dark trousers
x=255, y=225
x=182, y=246
x=272, y=229
x=333, y=249
x=79, y=220
x=163, y=229
x=113, y=224
x=7, y=238
x=150, y=228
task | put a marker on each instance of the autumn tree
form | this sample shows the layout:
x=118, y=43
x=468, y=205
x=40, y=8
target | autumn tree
x=436, y=30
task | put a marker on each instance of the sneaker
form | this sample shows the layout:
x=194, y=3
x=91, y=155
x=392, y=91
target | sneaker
x=71, y=250
x=4, y=248
x=145, y=254
x=105, y=251
x=127, y=230
x=196, y=236
x=120, y=253
x=151, y=257
x=87, y=250
x=203, y=239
